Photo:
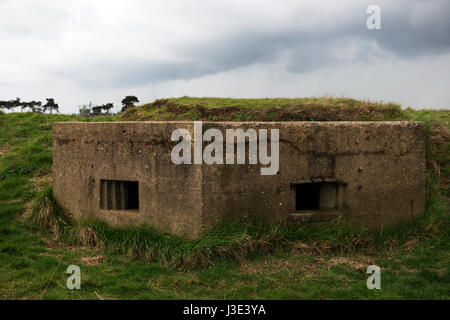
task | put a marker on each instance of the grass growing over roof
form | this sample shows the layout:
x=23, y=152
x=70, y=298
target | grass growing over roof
x=278, y=109
x=38, y=243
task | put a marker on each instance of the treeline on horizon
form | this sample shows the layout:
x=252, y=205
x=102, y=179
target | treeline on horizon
x=37, y=106
x=34, y=106
x=127, y=102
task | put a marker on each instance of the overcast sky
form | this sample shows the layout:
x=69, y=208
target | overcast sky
x=80, y=51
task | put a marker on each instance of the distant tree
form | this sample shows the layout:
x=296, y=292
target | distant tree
x=97, y=110
x=16, y=103
x=24, y=105
x=31, y=105
x=108, y=107
x=51, y=105
x=11, y=104
x=36, y=106
x=128, y=102
x=3, y=104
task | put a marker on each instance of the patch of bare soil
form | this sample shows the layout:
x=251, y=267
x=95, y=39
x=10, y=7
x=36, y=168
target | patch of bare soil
x=217, y=113
x=302, y=247
x=207, y=114
x=411, y=244
x=93, y=261
x=41, y=180
x=360, y=263
x=303, y=268
x=52, y=245
x=320, y=113
x=267, y=266
x=4, y=149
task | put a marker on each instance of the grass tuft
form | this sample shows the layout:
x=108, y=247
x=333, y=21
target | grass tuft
x=46, y=214
x=87, y=237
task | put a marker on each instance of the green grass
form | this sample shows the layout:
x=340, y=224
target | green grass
x=282, y=109
x=232, y=261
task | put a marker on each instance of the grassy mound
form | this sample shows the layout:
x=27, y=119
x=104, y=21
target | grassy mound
x=301, y=109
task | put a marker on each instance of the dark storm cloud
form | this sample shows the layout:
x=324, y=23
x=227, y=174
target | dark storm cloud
x=409, y=29
x=223, y=55
x=421, y=28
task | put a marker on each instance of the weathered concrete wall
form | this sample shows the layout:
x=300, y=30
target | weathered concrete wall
x=170, y=196
x=375, y=170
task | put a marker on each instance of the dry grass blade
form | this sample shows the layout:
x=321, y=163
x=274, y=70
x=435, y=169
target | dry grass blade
x=45, y=218
x=88, y=237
